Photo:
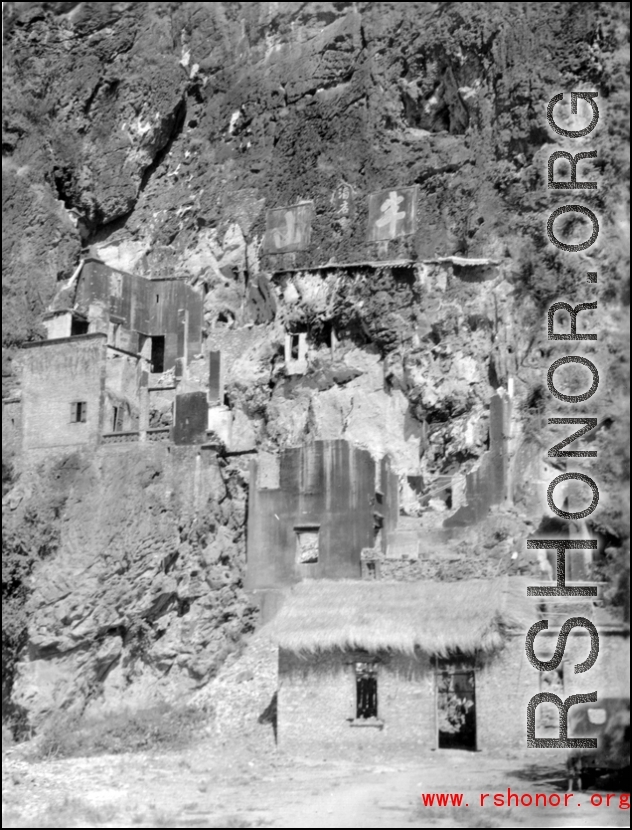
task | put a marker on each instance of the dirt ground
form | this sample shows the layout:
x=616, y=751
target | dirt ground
x=238, y=785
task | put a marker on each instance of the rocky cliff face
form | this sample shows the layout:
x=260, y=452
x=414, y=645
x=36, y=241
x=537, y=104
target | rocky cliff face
x=156, y=135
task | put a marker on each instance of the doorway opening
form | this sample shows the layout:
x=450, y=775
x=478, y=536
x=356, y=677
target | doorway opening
x=78, y=326
x=456, y=707
x=158, y=354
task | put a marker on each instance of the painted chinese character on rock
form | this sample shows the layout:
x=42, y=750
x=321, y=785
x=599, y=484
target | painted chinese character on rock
x=288, y=229
x=392, y=213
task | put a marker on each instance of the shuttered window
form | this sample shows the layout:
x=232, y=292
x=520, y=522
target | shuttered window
x=78, y=412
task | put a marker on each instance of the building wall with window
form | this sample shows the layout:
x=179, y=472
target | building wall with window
x=56, y=376
x=318, y=694
x=318, y=699
x=316, y=517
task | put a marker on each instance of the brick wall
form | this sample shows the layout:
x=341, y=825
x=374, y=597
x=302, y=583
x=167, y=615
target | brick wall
x=317, y=695
x=317, y=701
x=54, y=375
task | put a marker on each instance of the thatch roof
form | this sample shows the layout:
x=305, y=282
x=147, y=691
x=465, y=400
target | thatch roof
x=434, y=617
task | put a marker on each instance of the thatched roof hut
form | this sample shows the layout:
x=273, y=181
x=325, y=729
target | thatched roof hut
x=433, y=617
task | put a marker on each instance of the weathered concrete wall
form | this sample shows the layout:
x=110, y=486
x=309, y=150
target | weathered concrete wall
x=191, y=417
x=327, y=484
x=488, y=484
x=317, y=702
x=55, y=374
x=149, y=306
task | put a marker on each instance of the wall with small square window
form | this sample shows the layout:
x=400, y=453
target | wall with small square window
x=338, y=698
x=63, y=385
x=325, y=486
x=307, y=545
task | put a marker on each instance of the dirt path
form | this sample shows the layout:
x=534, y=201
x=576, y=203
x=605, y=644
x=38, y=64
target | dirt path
x=240, y=786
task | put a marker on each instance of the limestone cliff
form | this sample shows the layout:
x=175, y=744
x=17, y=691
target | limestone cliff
x=155, y=136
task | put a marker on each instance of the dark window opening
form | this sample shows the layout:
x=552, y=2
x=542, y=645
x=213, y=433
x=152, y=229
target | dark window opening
x=78, y=412
x=378, y=525
x=370, y=570
x=366, y=690
x=158, y=354
x=78, y=326
x=294, y=344
x=307, y=544
x=117, y=419
x=157, y=298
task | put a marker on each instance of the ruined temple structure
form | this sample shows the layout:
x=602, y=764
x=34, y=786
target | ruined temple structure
x=114, y=341
x=427, y=665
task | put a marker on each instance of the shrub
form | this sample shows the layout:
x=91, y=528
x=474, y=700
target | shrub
x=162, y=726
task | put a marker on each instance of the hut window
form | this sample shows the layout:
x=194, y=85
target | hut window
x=366, y=690
x=294, y=346
x=307, y=545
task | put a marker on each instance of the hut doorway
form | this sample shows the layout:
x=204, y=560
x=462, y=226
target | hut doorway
x=456, y=708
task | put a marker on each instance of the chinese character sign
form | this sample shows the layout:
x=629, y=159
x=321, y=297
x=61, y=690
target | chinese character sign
x=392, y=213
x=288, y=229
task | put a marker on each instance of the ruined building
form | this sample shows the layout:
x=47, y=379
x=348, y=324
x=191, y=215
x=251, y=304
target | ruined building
x=111, y=338
x=357, y=581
